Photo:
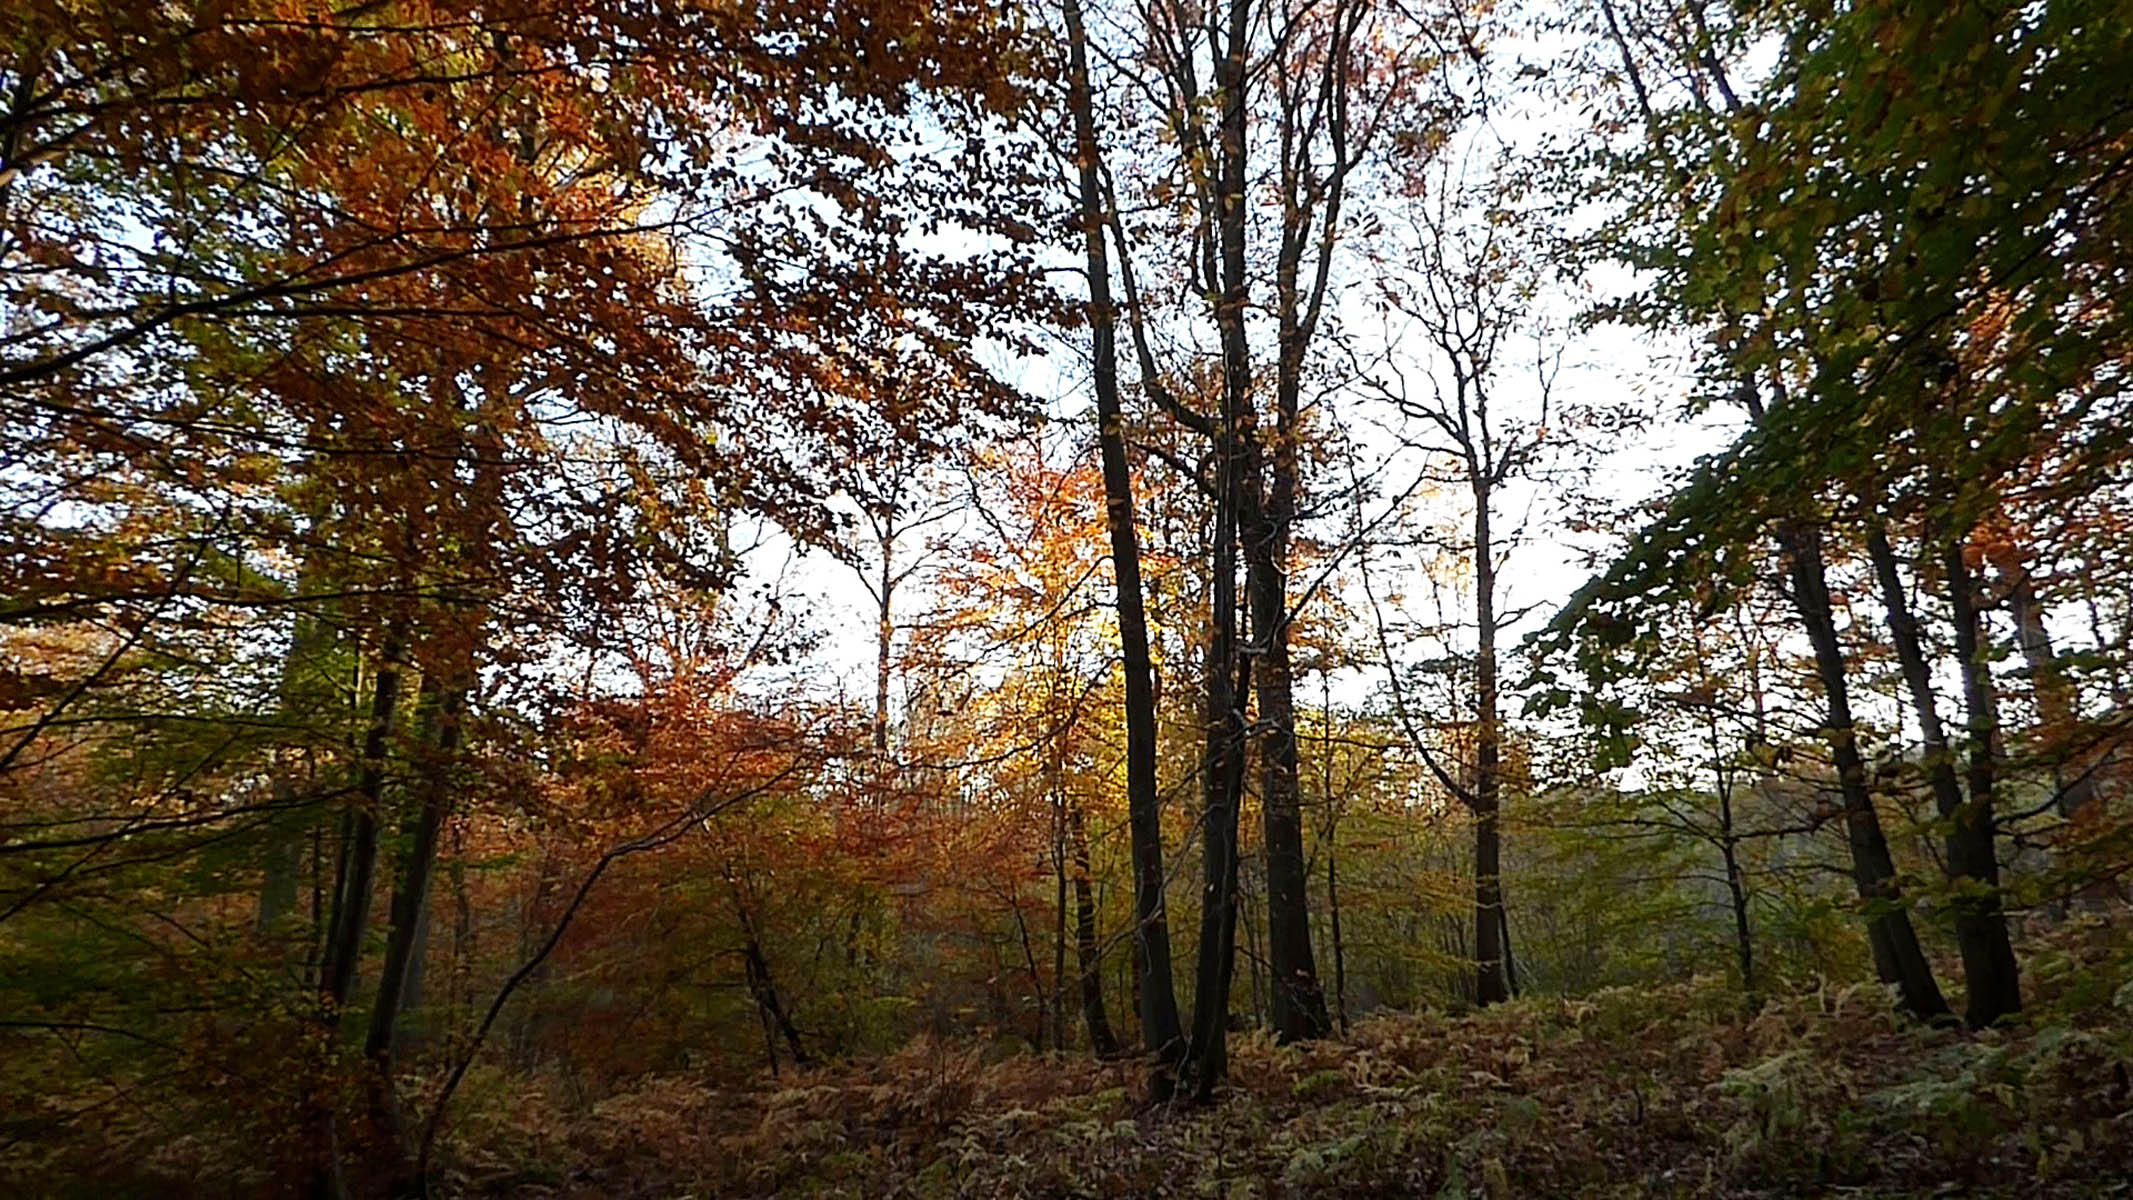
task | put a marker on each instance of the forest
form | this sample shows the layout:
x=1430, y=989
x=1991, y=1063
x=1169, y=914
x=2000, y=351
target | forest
x=1458, y=598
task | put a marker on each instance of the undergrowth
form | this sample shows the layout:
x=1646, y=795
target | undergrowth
x=1686, y=1089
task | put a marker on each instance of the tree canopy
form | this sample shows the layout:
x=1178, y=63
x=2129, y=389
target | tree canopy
x=630, y=597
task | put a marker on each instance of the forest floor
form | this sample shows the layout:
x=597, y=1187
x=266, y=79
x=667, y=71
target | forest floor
x=1675, y=1090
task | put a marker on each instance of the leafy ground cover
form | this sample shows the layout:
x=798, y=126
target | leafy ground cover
x=1683, y=1089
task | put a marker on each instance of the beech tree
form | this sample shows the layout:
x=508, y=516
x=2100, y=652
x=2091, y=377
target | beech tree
x=1298, y=101
x=438, y=363
x=1841, y=307
x=1471, y=301
x=1162, y=1037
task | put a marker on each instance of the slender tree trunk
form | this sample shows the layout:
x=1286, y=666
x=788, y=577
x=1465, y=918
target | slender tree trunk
x=1989, y=963
x=1228, y=673
x=410, y=901
x=1897, y=955
x=1737, y=893
x=1333, y=891
x=1729, y=852
x=2100, y=633
x=884, y=643
x=1454, y=938
x=1311, y=194
x=852, y=928
x=1490, y=986
x=1038, y=991
x=1736, y=889
x=349, y=919
x=1133, y=972
x=1989, y=969
x=761, y=984
x=412, y=995
x=772, y=1006
x=283, y=876
x=532, y=929
x=2058, y=701
x=1207, y=1061
x=409, y=908
x=315, y=944
x=460, y=989
x=1298, y=1002
x=1254, y=951
x=1055, y=770
x=305, y=698
x=1333, y=911
x=1490, y=981
x=1087, y=947
x=1155, y=993
x=1510, y=960
x=1059, y=918
x=359, y=857
x=762, y=1013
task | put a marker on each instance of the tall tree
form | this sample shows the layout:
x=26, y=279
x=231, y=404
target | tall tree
x=1472, y=299
x=1289, y=102
x=1162, y=1037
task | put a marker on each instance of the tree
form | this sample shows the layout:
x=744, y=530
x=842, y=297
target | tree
x=1310, y=91
x=425, y=360
x=1470, y=299
x=1161, y=1035
x=1871, y=294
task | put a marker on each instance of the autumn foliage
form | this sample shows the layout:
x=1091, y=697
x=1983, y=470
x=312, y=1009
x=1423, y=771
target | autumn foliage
x=629, y=597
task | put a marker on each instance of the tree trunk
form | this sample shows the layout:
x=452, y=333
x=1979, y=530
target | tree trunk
x=1897, y=955
x=1155, y=998
x=410, y=900
x=1490, y=981
x=1737, y=893
x=1333, y=815
x=1228, y=673
x=2058, y=701
x=1037, y=990
x=1973, y=861
x=1510, y=960
x=1333, y=911
x=283, y=875
x=459, y=996
x=884, y=643
x=1059, y=920
x=1254, y=953
x=773, y=1008
x=1087, y=948
x=761, y=985
x=315, y=944
x=1298, y=1002
x=409, y=907
x=304, y=699
x=1133, y=972
x=1988, y=959
x=1490, y=986
x=1207, y=1060
x=1729, y=852
x=350, y=917
x=532, y=929
x=412, y=995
